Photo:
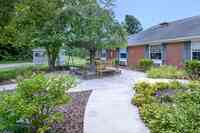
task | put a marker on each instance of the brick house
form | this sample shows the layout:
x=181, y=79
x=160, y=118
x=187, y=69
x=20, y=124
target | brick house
x=170, y=43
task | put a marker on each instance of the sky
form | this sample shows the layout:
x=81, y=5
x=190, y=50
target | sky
x=152, y=12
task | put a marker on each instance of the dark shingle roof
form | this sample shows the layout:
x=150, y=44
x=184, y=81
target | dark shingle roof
x=187, y=27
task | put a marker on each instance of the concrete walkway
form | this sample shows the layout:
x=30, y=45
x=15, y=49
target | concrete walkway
x=8, y=87
x=15, y=65
x=109, y=109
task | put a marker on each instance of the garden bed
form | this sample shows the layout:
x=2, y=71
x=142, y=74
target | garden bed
x=167, y=72
x=10, y=75
x=74, y=113
x=169, y=107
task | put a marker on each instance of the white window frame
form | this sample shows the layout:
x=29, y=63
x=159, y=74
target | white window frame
x=156, y=61
x=105, y=52
x=194, y=46
x=123, y=51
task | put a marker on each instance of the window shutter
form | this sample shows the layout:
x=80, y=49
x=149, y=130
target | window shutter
x=164, y=52
x=146, y=51
x=187, y=51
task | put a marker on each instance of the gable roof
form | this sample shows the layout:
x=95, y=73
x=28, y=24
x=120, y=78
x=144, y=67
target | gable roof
x=180, y=30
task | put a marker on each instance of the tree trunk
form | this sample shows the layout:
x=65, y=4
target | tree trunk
x=52, y=55
x=92, y=55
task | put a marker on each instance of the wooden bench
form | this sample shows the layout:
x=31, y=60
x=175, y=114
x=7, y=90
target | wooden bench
x=104, y=68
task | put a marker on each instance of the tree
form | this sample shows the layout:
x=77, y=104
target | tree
x=76, y=23
x=132, y=24
x=98, y=28
x=7, y=12
x=41, y=23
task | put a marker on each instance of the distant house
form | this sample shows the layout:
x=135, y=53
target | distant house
x=170, y=43
x=40, y=57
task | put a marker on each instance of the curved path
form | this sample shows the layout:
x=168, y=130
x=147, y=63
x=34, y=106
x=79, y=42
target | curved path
x=109, y=109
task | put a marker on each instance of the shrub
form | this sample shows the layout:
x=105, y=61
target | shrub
x=32, y=108
x=22, y=72
x=180, y=114
x=145, y=64
x=193, y=69
x=169, y=72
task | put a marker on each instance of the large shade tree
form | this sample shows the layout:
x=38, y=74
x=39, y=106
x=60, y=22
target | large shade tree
x=52, y=24
x=132, y=24
x=42, y=23
x=97, y=27
x=7, y=12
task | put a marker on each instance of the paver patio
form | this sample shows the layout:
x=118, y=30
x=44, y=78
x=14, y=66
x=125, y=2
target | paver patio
x=109, y=109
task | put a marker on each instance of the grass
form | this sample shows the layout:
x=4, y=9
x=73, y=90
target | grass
x=27, y=70
x=24, y=71
x=169, y=72
x=77, y=61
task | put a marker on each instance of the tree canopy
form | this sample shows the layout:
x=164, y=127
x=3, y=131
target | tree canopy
x=97, y=27
x=52, y=24
x=132, y=24
x=7, y=12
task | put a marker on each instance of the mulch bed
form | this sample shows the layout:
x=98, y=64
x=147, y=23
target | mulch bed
x=74, y=113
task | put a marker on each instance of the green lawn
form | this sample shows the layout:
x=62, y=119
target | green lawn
x=24, y=71
x=77, y=61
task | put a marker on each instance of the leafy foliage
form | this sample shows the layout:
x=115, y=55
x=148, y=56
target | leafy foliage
x=193, y=69
x=22, y=72
x=10, y=52
x=7, y=12
x=99, y=28
x=132, y=24
x=170, y=72
x=145, y=64
x=41, y=23
x=32, y=108
x=179, y=114
x=79, y=23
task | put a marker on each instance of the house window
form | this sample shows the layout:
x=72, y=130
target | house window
x=123, y=55
x=155, y=52
x=39, y=54
x=103, y=53
x=196, y=54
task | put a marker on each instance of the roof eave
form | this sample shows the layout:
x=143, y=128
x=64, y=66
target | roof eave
x=179, y=39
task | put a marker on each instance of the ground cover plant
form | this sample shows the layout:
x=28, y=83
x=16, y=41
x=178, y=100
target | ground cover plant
x=32, y=107
x=145, y=64
x=23, y=72
x=169, y=107
x=193, y=69
x=170, y=72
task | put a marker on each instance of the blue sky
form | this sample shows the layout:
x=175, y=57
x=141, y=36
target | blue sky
x=151, y=12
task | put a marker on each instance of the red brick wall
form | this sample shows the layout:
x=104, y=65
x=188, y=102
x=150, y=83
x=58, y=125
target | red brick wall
x=135, y=54
x=174, y=54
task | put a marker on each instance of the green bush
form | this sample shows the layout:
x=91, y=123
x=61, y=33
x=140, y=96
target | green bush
x=22, y=72
x=179, y=115
x=145, y=64
x=32, y=108
x=169, y=72
x=193, y=69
